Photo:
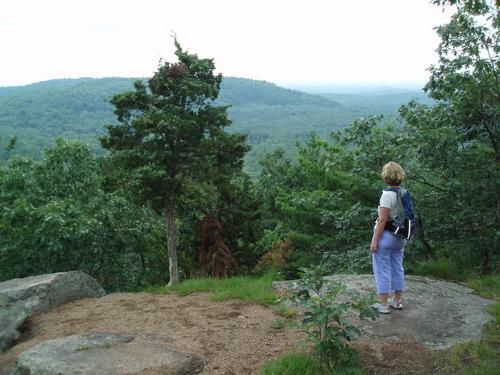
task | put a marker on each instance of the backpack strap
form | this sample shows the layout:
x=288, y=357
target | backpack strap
x=410, y=224
x=400, y=208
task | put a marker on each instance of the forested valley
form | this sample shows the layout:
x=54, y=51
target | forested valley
x=269, y=115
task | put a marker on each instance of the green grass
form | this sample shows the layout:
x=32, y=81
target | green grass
x=444, y=269
x=487, y=286
x=292, y=364
x=245, y=288
x=286, y=311
x=302, y=364
x=280, y=323
x=479, y=357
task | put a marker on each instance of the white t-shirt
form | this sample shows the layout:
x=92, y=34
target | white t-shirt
x=389, y=199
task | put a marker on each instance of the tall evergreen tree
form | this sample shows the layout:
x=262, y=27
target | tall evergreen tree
x=172, y=135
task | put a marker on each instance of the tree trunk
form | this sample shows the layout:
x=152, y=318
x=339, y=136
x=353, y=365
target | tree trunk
x=485, y=266
x=429, y=250
x=171, y=246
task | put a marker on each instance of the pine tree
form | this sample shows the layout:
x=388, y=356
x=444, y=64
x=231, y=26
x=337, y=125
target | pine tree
x=171, y=134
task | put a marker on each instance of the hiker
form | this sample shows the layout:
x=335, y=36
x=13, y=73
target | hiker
x=387, y=248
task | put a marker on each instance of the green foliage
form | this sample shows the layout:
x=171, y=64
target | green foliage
x=351, y=261
x=441, y=268
x=327, y=306
x=238, y=209
x=56, y=216
x=286, y=311
x=303, y=364
x=454, y=146
x=244, y=288
x=325, y=202
x=280, y=323
x=70, y=108
x=488, y=286
x=7, y=147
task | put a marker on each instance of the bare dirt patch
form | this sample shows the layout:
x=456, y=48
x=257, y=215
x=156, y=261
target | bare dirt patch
x=233, y=337
x=401, y=357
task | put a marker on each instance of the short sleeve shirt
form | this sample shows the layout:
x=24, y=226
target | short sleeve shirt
x=389, y=199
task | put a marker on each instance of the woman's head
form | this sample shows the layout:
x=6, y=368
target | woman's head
x=393, y=173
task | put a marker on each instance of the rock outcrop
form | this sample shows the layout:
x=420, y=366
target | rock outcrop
x=436, y=313
x=105, y=354
x=22, y=298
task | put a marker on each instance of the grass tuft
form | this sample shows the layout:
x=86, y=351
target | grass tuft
x=245, y=288
x=444, y=268
x=487, y=286
x=292, y=364
x=302, y=364
x=286, y=311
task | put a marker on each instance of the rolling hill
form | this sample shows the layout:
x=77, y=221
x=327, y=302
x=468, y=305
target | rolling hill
x=271, y=116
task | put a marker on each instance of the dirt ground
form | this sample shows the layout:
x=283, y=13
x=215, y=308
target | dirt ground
x=233, y=338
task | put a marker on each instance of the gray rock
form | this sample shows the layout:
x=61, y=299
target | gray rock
x=105, y=354
x=22, y=298
x=436, y=313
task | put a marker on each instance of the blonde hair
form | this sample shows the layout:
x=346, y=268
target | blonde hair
x=393, y=173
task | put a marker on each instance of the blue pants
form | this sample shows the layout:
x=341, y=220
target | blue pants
x=388, y=263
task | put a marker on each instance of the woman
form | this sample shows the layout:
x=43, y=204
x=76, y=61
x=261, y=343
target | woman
x=387, y=249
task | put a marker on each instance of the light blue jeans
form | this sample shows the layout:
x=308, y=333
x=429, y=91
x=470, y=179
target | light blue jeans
x=388, y=263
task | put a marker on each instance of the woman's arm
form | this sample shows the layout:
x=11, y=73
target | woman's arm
x=379, y=228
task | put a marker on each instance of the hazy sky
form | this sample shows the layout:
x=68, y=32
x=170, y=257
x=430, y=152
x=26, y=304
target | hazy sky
x=281, y=41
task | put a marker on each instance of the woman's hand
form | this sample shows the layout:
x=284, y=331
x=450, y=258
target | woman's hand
x=373, y=246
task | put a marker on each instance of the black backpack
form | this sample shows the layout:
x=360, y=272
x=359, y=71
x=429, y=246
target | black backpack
x=405, y=224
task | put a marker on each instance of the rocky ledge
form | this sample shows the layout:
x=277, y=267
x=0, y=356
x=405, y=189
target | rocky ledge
x=436, y=313
x=106, y=354
x=22, y=298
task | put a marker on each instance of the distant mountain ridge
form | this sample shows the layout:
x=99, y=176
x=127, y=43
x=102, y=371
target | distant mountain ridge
x=270, y=115
x=242, y=91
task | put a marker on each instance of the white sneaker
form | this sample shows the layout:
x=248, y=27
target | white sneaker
x=396, y=305
x=381, y=308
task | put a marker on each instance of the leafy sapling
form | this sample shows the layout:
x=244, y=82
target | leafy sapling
x=328, y=306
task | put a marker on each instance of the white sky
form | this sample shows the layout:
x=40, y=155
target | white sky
x=281, y=41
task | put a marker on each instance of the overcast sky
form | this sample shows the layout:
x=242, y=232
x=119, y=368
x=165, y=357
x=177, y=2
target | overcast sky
x=281, y=41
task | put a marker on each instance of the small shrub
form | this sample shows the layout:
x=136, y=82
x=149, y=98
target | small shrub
x=327, y=306
x=280, y=323
x=286, y=311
